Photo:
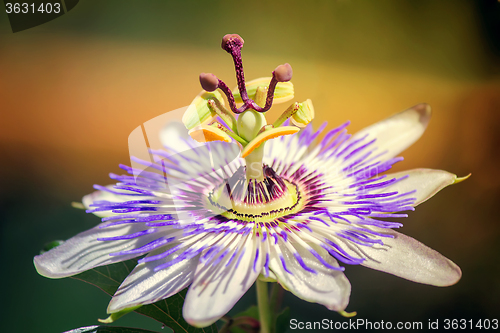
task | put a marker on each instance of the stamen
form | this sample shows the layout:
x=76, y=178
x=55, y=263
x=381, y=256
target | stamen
x=242, y=141
x=292, y=109
x=207, y=133
x=267, y=135
x=223, y=113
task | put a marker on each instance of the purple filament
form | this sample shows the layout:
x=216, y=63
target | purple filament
x=324, y=262
x=134, y=235
x=283, y=263
x=302, y=264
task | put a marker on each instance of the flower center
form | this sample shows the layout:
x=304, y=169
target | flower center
x=207, y=119
x=255, y=201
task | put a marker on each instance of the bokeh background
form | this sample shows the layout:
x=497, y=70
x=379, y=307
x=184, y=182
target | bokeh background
x=73, y=89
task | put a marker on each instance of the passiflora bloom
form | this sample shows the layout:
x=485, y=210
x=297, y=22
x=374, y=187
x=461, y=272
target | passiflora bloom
x=258, y=201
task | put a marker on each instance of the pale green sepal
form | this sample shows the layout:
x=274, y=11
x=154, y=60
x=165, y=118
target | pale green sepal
x=304, y=115
x=77, y=205
x=282, y=93
x=114, y=316
x=198, y=112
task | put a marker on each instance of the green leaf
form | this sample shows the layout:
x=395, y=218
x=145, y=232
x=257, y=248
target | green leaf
x=167, y=311
x=49, y=246
x=107, y=329
x=283, y=320
x=108, y=278
x=252, y=311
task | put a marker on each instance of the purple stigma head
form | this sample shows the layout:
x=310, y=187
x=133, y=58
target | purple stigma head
x=232, y=43
x=208, y=81
x=283, y=73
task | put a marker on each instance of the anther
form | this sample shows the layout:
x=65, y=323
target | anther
x=209, y=81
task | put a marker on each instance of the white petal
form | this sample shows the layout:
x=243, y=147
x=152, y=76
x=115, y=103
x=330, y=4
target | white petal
x=216, y=288
x=105, y=196
x=145, y=286
x=83, y=251
x=397, y=132
x=406, y=257
x=328, y=287
x=194, y=157
x=165, y=130
x=427, y=182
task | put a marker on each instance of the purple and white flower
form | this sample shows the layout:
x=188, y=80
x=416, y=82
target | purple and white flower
x=218, y=216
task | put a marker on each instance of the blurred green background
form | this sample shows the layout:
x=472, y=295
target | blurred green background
x=73, y=89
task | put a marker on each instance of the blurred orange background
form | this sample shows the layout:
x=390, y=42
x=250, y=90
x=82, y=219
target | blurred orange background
x=72, y=90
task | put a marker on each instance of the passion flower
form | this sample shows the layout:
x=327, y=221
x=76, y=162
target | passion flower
x=257, y=201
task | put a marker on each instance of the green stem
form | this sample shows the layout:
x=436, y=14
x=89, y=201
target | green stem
x=254, y=164
x=275, y=304
x=245, y=323
x=264, y=309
